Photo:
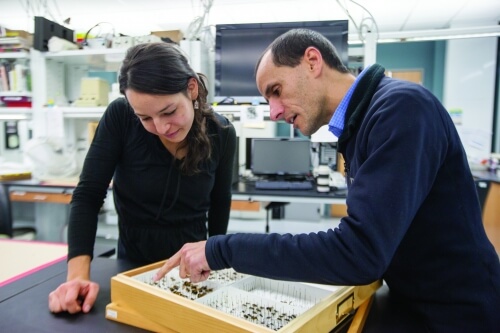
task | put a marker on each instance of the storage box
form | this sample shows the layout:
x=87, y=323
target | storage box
x=174, y=35
x=14, y=175
x=18, y=33
x=13, y=101
x=91, y=128
x=94, y=92
x=122, y=42
x=146, y=39
x=229, y=302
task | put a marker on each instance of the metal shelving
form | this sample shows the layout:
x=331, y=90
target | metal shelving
x=71, y=112
x=15, y=113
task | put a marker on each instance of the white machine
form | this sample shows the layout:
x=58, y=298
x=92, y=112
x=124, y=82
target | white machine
x=49, y=160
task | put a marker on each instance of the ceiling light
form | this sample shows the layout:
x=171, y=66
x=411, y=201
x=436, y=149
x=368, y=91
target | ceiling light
x=430, y=35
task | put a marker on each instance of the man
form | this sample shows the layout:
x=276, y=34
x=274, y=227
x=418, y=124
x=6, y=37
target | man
x=414, y=217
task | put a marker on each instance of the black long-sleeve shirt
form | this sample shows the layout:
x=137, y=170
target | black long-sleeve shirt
x=159, y=209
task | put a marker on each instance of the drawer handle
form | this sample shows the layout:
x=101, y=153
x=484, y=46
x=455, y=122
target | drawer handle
x=40, y=197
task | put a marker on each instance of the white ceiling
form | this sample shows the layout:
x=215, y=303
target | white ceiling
x=136, y=17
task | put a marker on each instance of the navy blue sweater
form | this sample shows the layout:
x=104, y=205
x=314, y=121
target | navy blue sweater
x=414, y=217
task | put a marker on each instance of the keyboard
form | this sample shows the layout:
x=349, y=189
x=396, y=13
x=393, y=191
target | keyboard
x=283, y=185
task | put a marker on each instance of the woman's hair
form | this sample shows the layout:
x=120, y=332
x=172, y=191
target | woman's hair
x=289, y=48
x=163, y=69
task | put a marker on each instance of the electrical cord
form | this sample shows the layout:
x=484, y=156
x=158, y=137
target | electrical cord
x=363, y=26
x=227, y=101
x=106, y=38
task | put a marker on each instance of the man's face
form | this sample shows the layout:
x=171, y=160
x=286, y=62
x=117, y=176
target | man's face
x=291, y=94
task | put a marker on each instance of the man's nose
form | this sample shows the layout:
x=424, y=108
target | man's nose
x=276, y=111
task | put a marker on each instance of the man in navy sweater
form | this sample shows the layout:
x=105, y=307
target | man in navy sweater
x=414, y=218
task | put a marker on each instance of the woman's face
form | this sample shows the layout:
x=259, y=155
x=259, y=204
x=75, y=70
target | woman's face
x=168, y=116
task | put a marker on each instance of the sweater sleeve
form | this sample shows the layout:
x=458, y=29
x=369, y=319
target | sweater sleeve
x=220, y=198
x=382, y=202
x=95, y=178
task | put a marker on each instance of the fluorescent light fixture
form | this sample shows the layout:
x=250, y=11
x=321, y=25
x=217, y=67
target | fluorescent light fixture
x=430, y=35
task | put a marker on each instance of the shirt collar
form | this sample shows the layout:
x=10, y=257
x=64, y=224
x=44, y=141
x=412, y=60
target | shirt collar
x=336, y=124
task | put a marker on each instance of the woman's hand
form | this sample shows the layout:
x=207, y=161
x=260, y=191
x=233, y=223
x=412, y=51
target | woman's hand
x=74, y=296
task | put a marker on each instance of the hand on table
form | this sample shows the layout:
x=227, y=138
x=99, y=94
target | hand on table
x=191, y=261
x=74, y=296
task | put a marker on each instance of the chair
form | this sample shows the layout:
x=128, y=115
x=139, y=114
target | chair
x=7, y=229
x=277, y=210
x=482, y=187
x=5, y=213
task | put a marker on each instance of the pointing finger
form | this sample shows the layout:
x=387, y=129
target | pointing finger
x=171, y=263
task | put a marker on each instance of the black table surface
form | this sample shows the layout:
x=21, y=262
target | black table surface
x=35, y=183
x=486, y=175
x=248, y=188
x=243, y=187
x=27, y=309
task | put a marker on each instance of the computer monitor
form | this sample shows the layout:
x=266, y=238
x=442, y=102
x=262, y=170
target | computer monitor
x=281, y=157
x=239, y=46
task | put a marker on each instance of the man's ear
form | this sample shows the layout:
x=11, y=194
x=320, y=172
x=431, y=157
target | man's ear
x=193, y=88
x=313, y=59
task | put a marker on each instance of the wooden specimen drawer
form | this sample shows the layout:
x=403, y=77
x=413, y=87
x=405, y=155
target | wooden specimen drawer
x=229, y=302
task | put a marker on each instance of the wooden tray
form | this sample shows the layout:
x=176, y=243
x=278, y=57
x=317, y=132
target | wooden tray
x=229, y=302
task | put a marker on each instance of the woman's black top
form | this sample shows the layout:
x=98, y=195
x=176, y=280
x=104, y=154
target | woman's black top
x=159, y=209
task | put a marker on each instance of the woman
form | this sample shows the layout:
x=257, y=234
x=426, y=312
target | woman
x=170, y=157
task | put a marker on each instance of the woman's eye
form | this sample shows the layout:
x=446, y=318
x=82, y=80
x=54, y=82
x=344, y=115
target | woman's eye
x=169, y=113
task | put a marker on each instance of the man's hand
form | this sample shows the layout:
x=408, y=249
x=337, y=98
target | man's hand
x=191, y=261
x=74, y=296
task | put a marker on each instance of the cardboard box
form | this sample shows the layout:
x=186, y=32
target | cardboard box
x=14, y=175
x=91, y=128
x=18, y=33
x=94, y=92
x=229, y=302
x=175, y=35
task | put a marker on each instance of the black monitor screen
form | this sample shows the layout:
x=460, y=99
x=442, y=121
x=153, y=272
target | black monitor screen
x=281, y=157
x=239, y=46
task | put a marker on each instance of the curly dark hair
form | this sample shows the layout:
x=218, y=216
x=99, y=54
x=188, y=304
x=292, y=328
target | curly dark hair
x=162, y=69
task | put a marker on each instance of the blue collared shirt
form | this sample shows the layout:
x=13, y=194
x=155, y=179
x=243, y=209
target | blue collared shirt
x=336, y=124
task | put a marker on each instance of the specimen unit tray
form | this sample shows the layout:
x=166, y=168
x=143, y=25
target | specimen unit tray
x=229, y=302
